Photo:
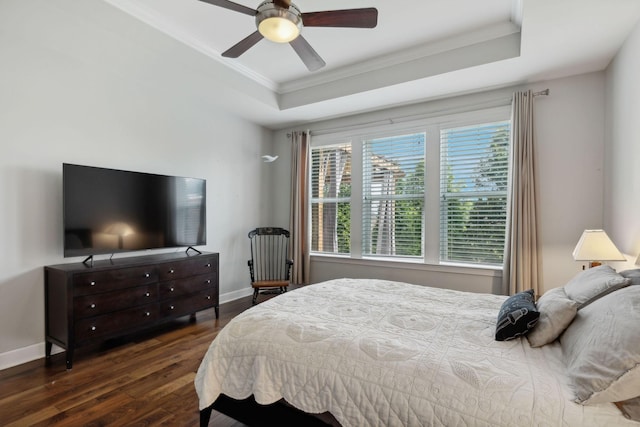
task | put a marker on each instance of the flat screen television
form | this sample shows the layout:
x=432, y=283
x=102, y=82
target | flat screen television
x=109, y=211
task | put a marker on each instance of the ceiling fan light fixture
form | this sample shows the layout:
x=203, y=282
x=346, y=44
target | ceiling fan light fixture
x=278, y=24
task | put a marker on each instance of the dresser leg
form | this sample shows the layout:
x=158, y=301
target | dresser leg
x=217, y=308
x=69, y=354
x=48, y=345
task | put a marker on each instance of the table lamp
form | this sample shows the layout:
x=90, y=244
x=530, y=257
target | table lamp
x=595, y=246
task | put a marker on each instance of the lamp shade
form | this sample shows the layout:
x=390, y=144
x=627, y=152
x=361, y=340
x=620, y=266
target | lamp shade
x=119, y=229
x=595, y=245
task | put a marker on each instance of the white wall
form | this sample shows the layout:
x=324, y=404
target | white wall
x=75, y=88
x=569, y=143
x=622, y=181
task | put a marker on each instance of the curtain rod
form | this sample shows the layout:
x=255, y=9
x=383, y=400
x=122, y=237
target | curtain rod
x=544, y=92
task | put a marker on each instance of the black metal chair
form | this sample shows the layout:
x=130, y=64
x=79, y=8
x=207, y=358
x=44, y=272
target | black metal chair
x=270, y=265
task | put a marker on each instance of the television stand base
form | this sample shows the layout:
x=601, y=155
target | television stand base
x=88, y=261
x=193, y=249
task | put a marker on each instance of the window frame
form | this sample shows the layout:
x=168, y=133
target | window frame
x=320, y=199
x=474, y=193
x=369, y=197
x=431, y=126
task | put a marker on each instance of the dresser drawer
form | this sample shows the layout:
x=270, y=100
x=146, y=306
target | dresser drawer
x=116, y=322
x=93, y=305
x=109, y=280
x=113, y=297
x=189, y=285
x=189, y=304
x=186, y=268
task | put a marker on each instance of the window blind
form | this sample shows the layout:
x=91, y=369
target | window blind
x=330, y=199
x=473, y=193
x=393, y=195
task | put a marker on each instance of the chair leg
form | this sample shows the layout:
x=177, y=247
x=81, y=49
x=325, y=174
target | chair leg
x=255, y=296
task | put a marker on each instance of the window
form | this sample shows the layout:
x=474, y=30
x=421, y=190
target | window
x=434, y=192
x=330, y=199
x=393, y=195
x=473, y=193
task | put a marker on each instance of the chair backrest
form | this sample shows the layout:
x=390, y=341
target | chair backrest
x=269, y=254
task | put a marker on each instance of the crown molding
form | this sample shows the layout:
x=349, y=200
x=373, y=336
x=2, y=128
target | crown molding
x=184, y=37
x=405, y=56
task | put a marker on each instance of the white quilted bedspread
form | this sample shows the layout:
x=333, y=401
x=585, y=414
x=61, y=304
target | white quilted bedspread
x=380, y=353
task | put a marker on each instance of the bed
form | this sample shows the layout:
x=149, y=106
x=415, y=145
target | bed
x=356, y=352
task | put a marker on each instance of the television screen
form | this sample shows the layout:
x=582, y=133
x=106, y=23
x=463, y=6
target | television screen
x=109, y=211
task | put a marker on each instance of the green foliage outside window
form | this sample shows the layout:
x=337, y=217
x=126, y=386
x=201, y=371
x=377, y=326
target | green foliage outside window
x=344, y=221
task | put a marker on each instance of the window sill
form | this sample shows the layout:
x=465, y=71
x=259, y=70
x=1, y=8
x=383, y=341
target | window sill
x=410, y=264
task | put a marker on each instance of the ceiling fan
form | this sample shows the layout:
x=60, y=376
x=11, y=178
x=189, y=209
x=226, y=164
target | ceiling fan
x=281, y=21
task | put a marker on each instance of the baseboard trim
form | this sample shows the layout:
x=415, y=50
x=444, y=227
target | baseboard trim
x=234, y=295
x=32, y=352
x=22, y=355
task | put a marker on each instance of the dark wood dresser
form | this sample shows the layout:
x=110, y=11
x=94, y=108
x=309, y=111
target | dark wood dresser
x=112, y=298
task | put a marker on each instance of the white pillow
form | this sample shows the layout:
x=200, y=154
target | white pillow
x=632, y=275
x=556, y=313
x=602, y=348
x=593, y=283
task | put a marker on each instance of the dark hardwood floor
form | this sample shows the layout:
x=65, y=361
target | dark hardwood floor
x=140, y=380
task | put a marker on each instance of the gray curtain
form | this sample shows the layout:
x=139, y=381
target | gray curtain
x=299, y=211
x=521, y=265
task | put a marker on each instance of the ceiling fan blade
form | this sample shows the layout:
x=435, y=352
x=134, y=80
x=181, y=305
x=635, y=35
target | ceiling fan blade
x=310, y=57
x=243, y=45
x=352, y=18
x=282, y=3
x=232, y=6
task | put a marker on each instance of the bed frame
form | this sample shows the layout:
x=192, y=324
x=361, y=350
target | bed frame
x=251, y=413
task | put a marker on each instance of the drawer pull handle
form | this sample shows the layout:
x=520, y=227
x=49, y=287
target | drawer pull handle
x=147, y=275
x=208, y=264
x=209, y=297
x=147, y=294
x=146, y=313
x=93, y=328
x=92, y=306
x=171, y=271
x=92, y=283
x=208, y=282
x=171, y=289
x=171, y=307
